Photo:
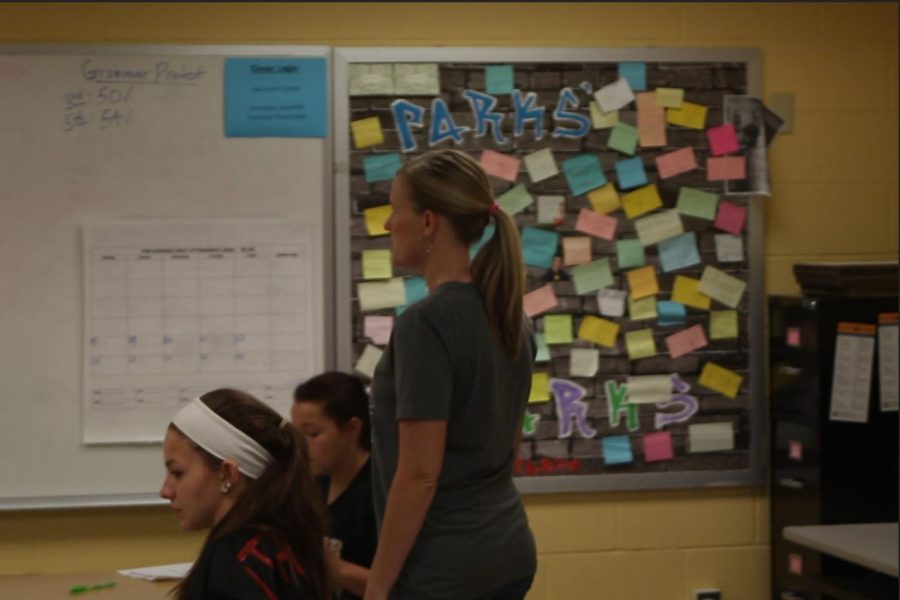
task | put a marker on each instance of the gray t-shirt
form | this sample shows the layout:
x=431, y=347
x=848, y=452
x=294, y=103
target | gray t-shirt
x=444, y=363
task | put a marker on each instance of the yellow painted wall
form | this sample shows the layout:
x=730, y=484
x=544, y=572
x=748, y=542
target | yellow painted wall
x=835, y=198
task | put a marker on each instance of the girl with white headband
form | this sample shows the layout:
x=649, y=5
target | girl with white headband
x=232, y=465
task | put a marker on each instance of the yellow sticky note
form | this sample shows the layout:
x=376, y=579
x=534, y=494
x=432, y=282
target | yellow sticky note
x=602, y=120
x=367, y=132
x=540, y=388
x=687, y=291
x=558, y=329
x=376, y=218
x=723, y=324
x=602, y=332
x=376, y=295
x=669, y=97
x=641, y=200
x=690, y=115
x=720, y=379
x=605, y=199
x=645, y=308
x=376, y=264
x=640, y=343
x=642, y=282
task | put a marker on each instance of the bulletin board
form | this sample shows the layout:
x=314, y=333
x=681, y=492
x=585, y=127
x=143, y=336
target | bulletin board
x=117, y=162
x=649, y=371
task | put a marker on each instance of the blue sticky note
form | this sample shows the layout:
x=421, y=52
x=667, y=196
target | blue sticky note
x=630, y=173
x=635, y=73
x=476, y=246
x=499, y=79
x=583, y=173
x=616, y=450
x=670, y=313
x=539, y=246
x=416, y=289
x=276, y=97
x=679, y=252
x=381, y=167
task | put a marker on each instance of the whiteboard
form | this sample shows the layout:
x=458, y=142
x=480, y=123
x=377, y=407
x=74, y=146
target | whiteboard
x=76, y=148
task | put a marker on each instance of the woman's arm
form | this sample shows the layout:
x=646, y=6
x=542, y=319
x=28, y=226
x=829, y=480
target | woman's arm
x=419, y=461
x=346, y=575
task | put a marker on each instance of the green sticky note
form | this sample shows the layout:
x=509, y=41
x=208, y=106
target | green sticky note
x=623, y=137
x=515, y=200
x=543, y=352
x=591, y=277
x=629, y=254
x=697, y=203
x=558, y=329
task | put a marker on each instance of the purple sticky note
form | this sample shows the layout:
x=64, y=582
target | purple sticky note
x=722, y=139
x=658, y=446
x=731, y=217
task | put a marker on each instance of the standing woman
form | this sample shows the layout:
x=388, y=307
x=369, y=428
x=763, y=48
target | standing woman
x=234, y=466
x=449, y=395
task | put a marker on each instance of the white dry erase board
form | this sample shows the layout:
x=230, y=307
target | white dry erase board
x=114, y=155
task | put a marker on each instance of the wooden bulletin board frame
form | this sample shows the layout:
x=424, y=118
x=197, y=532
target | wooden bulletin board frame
x=350, y=231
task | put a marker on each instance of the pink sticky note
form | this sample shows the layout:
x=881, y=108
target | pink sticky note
x=539, y=300
x=730, y=217
x=793, y=337
x=658, y=446
x=726, y=167
x=500, y=165
x=378, y=328
x=596, y=224
x=686, y=341
x=795, y=563
x=722, y=139
x=677, y=162
x=795, y=450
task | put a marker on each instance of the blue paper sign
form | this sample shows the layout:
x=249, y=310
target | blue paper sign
x=616, y=450
x=679, y=252
x=416, y=289
x=539, y=246
x=276, y=97
x=670, y=313
x=381, y=167
x=583, y=173
x=476, y=246
x=635, y=73
x=499, y=79
x=630, y=173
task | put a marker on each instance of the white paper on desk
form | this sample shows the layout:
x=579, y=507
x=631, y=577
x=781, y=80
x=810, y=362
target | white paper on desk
x=159, y=572
x=852, y=378
x=887, y=366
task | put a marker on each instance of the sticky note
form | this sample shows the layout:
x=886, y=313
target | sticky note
x=640, y=344
x=583, y=173
x=729, y=248
x=376, y=218
x=614, y=95
x=542, y=352
x=611, y=302
x=719, y=379
x=721, y=286
x=710, y=437
x=576, y=250
x=368, y=360
x=487, y=234
x=679, y=252
x=723, y=324
x=366, y=132
x=623, y=137
x=616, y=450
x=641, y=200
x=722, y=139
x=376, y=295
x=697, y=203
x=649, y=389
x=600, y=119
x=659, y=226
x=539, y=246
x=502, y=166
x=378, y=328
x=602, y=332
x=685, y=341
x=516, y=199
x=629, y=253
x=725, y=168
x=676, y=162
x=376, y=264
x=371, y=79
x=540, y=388
x=687, y=291
x=642, y=282
x=499, y=79
x=658, y=446
x=381, y=167
x=690, y=115
x=592, y=276
x=635, y=73
x=651, y=121
x=630, y=173
x=584, y=362
x=416, y=288
x=416, y=79
x=539, y=300
x=596, y=224
x=551, y=209
x=605, y=199
x=558, y=329
x=669, y=97
x=541, y=165
x=730, y=217
x=642, y=309
x=671, y=313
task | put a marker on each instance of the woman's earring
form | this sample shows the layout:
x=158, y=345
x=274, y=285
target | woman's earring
x=226, y=487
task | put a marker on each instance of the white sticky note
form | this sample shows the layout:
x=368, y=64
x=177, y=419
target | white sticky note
x=541, y=165
x=614, y=96
x=658, y=227
x=551, y=209
x=851, y=381
x=649, y=389
x=584, y=362
x=887, y=366
x=729, y=248
x=368, y=360
x=375, y=295
x=721, y=286
x=612, y=302
x=378, y=328
x=710, y=437
x=416, y=79
x=371, y=79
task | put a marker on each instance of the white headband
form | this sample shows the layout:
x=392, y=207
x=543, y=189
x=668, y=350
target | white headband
x=221, y=439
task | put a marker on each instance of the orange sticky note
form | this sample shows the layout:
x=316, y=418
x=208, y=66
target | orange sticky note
x=676, y=162
x=367, y=132
x=602, y=332
x=720, y=379
x=539, y=300
x=596, y=224
x=576, y=250
x=686, y=341
x=500, y=165
x=642, y=282
x=651, y=121
x=641, y=200
x=724, y=168
x=687, y=291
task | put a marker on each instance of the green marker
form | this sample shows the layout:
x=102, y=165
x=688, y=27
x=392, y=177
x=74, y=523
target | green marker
x=87, y=587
